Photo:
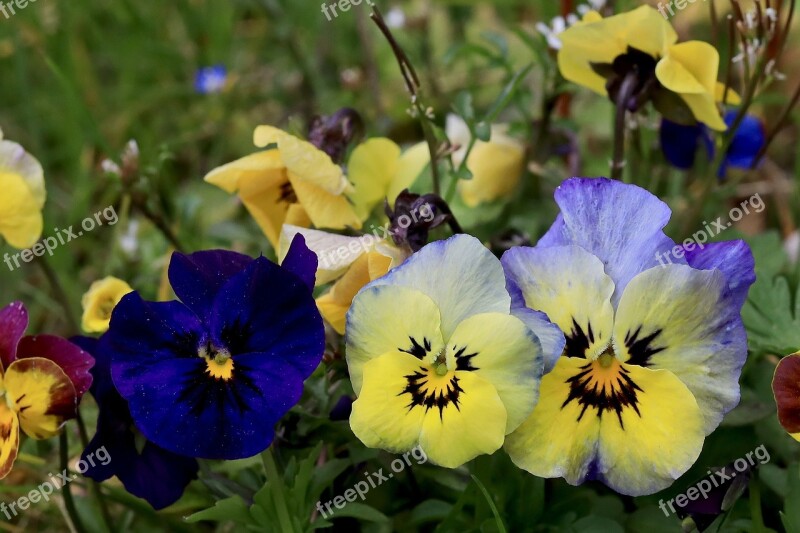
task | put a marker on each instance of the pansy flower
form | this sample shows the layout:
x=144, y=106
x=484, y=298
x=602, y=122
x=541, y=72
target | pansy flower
x=42, y=379
x=496, y=165
x=144, y=468
x=437, y=359
x=351, y=262
x=653, y=353
x=291, y=181
x=22, y=183
x=209, y=376
x=680, y=143
x=99, y=301
x=786, y=387
x=638, y=52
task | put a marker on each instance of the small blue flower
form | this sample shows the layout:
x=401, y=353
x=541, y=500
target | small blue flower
x=681, y=143
x=210, y=80
x=211, y=375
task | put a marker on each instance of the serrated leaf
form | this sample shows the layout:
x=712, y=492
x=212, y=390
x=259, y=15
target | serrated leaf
x=230, y=509
x=772, y=321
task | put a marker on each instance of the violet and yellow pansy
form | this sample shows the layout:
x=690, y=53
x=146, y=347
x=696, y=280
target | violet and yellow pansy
x=42, y=379
x=210, y=375
x=653, y=353
x=438, y=360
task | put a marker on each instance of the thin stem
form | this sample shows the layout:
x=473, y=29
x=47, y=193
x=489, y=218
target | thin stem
x=161, y=225
x=755, y=504
x=625, y=90
x=779, y=125
x=271, y=470
x=69, y=502
x=94, y=486
x=60, y=294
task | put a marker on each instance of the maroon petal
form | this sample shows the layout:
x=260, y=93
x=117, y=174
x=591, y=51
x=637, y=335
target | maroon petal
x=75, y=362
x=786, y=386
x=13, y=321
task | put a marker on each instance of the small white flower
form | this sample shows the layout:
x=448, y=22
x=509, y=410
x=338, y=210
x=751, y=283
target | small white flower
x=395, y=18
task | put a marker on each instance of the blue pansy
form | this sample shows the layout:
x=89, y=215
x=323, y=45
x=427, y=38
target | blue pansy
x=209, y=376
x=136, y=466
x=681, y=143
x=209, y=80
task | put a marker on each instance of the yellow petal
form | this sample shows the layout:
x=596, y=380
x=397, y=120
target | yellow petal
x=304, y=160
x=411, y=164
x=326, y=210
x=381, y=417
x=503, y=351
x=261, y=166
x=41, y=394
x=390, y=318
x=9, y=438
x=472, y=423
x=334, y=304
x=99, y=301
x=733, y=96
x=496, y=171
x=15, y=160
x=20, y=212
x=689, y=67
x=371, y=169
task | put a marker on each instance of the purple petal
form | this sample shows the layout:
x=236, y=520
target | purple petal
x=301, y=261
x=267, y=309
x=74, y=361
x=733, y=258
x=13, y=322
x=619, y=223
x=197, y=278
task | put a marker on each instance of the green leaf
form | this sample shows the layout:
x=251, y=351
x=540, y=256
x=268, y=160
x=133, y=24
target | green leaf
x=771, y=319
x=500, y=526
x=464, y=108
x=430, y=511
x=507, y=94
x=232, y=509
x=791, y=511
x=483, y=131
x=361, y=511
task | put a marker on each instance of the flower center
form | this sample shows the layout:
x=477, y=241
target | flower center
x=218, y=360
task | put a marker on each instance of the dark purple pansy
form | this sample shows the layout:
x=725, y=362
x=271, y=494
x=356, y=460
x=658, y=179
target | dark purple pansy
x=114, y=451
x=680, y=143
x=209, y=376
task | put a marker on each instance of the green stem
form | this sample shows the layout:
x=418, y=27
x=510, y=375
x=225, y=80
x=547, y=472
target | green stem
x=69, y=502
x=94, y=485
x=271, y=469
x=756, y=515
x=625, y=90
x=60, y=294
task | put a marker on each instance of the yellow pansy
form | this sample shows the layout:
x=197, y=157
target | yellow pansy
x=351, y=261
x=378, y=171
x=99, y=301
x=22, y=183
x=290, y=182
x=641, y=43
x=496, y=166
x=438, y=359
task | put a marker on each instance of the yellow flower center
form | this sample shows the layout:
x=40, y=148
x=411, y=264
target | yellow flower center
x=219, y=363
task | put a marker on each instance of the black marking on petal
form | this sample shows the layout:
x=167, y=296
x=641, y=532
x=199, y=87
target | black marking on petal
x=464, y=362
x=641, y=350
x=578, y=341
x=612, y=395
x=203, y=392
x=421, y=396
x=418, y=350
